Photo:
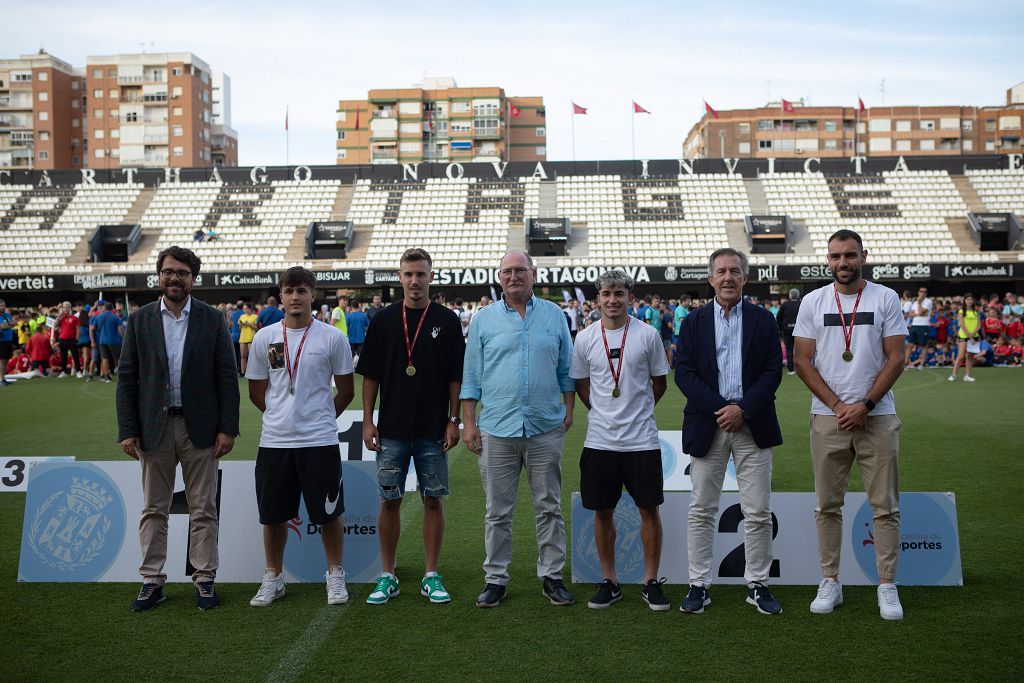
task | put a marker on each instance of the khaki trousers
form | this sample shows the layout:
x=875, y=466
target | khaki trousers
x=199, y=470
x=875, y=447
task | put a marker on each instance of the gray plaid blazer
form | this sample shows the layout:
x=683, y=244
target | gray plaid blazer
x=209, y=378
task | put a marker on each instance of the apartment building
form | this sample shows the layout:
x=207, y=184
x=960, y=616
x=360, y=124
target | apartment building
x=41, y=113
x=223, y=138
x=439, y=121
x=149, y=109
x=792, y=129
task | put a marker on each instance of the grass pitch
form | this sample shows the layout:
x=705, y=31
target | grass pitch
x=955, y=437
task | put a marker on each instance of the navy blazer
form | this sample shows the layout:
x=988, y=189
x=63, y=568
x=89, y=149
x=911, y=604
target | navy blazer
x=697, y=377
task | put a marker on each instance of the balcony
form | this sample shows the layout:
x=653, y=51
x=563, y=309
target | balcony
x=487, y=133
x=129, y=80
x=155, y=139
x=385, y=153
x=385, y=114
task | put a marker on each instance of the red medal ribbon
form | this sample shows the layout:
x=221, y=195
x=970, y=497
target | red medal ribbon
x=405, y=328
x=622, y=351
x=848, y=333
x=292, y=374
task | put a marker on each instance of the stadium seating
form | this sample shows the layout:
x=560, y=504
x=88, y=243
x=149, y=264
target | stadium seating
x=1000, y=190
x=652, y=220
x=40, y=228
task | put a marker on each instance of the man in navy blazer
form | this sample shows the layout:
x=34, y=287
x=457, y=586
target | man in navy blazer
x=729, y=366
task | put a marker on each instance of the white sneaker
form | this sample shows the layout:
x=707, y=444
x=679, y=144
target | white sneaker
x=271, y=589
x=830, y=596
x=78, y=375
x=889, y=602
x=62, y=375
x=951, y=378
x=337, y=591
x=968, y=378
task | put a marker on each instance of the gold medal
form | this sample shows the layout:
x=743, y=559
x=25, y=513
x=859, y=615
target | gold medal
x=411, y=370
x=616, y=393
x=847, y=356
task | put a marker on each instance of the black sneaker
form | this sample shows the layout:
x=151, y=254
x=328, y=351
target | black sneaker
x=491, y=596
x=762, y=598
x=696, y=600
x=555, y=591
x=206, y=595
x=654, y=597
x=608, y=593
x=150, y=595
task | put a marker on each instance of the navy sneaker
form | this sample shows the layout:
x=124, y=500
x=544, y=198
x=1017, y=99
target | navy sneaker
x=608, y=593
x=491, y=596
x=206, y=595
x=654, y=596
x=696, y=600
x=762, y=598
x=150, y=595
x=555, y=591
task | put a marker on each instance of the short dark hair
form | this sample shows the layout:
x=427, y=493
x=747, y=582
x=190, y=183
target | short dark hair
x=845, y=234
x=416, y=254
x=353, y=303
x=186, y=256
x=297, y=275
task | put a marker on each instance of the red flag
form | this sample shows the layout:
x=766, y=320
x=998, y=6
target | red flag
x=707, y=107
x=637, y=109
x=860, y=104
x=577, y=109
x=357, y=119
x=286, y=118
x=514, y=110
x=787, y=106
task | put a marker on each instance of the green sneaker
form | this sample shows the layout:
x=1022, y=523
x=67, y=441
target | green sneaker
x=433, y=588
x=386, y=588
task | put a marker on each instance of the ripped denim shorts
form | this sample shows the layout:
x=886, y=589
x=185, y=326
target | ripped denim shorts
x=393, y=466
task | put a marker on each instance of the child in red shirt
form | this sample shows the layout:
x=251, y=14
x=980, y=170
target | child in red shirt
x=39, y=349
x=1004, y=352
x=20, y=363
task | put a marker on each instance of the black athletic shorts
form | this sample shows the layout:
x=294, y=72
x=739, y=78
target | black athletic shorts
x=5, y=350
x=604, y=473
x=282, y=474
x=110, y=352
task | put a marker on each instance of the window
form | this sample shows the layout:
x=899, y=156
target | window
x=113, y=93
x=179, y=151
x=75, y=161
x=206, y=97
x=903, y=145
x=949, y=124
x=112, y=73
x=460, y=107
x=74, y=85
x=342, y=153
x=540, y=150
x=540, y=132
x=830, y=126
x=342, y=135
x=744, y=148
x=98, y=133
x=44, y=116
x=177, y=111
x=488, y=109
x=903, y=126
x=990, y=125
x=98, y=153
x=44, y=96
x=1009, y=122
x=968, y=125
x=115, y=133
x=765, y=124
x=97, y=73
x=743, y=128
x=460, y=126
x=176, y=71
x=74, y=123
x=927, y=145
x=97, y=113
x=177, y=131
x=927, y=125
x=74, y=104
x=22, y=77
x=176, y=91
x=880, y=144
x=764, y=144
x=968, y=145
x=43, y=155
x=97, y=94
x=990, y=146
x=116, y=153
x=880, y=125
x=131, y=117
x=44, y=135
x=113, y=113
x=830, y=145
x=342, y=116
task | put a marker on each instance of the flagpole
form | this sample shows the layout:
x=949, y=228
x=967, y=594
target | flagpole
x=287, y=134
x=632, y=125
x=573, y=128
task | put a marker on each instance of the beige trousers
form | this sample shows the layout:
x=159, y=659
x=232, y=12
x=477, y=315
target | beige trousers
x=875, y=447
x=199, y=470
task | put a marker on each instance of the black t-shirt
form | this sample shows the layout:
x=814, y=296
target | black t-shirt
x=787, y=316
x=417, y=406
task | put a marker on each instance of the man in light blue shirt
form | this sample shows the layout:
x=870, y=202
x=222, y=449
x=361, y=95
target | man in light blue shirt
x=518, y=356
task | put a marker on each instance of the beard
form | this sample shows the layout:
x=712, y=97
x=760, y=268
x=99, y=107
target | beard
x=846, y=277
x=178, y=297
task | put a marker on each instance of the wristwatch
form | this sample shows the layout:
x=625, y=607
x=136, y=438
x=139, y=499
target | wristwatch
x=869, y=403
x=743, y=413
x=455, y=420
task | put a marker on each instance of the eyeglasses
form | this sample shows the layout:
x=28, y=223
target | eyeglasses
x=509, y=272
x=181, y=274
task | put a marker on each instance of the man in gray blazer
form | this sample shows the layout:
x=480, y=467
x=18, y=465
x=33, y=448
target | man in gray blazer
x=177, y=402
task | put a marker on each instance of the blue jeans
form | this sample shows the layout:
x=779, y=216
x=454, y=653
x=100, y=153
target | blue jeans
x=393, y=466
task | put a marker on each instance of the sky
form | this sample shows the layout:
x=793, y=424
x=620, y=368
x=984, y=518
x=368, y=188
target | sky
x=667, y=56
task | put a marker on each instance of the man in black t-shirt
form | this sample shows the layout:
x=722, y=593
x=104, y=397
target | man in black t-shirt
x=787, y=323
x=413, y=356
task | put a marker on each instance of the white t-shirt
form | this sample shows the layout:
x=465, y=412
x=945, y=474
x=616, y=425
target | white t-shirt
x=306, y=418
x=625, y=423
x=921, y=312
x=879, y=315
x=465, y=317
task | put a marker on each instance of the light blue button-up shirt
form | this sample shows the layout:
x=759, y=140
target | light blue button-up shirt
x=729, y=351
x=518, y=369
x=174, y=341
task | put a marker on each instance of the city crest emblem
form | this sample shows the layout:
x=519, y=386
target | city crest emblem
x=74, y=524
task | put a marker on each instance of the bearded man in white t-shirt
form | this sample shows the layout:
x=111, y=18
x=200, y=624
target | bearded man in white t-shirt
x=620, y=371
x=292, y=365
x=849, y=352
